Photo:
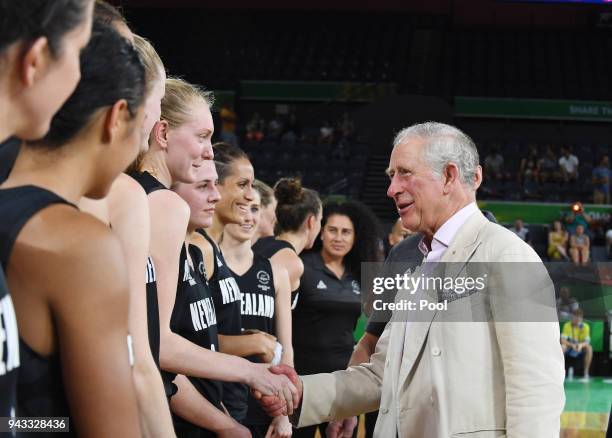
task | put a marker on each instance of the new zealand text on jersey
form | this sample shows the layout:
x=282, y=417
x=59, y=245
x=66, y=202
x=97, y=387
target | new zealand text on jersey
x=203, y=314
x=229, y=290
x=257, y=305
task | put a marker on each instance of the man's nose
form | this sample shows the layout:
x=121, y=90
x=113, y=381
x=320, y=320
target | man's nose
x=394, y=188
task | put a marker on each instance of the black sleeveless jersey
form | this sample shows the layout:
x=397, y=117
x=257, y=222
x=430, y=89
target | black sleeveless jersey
x=267, y=247
x=8, y=154
x=257, y=289
x=258, y=300
x=150, y=185
x=40, y=390
x=227, y=298
x=194, y=318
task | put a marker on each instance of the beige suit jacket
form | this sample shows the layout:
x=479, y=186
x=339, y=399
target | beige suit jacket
x=439, y=379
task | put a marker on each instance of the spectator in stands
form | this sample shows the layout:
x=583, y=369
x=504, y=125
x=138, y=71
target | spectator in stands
x=494, y=164
x=548, y=166
x=580, y=246
x=557, y=242
x=609, y=239
x=346, y=127
x=255, y=128
x=577, y=216
x=228, y=124
x=566, y=304
x=275, y=128
x=528, y=174
x=568, y=165
x=520, y=230
x=326, y=133
x=292, y=130
x=601, y=182
x=576, y=340
x=396, y=235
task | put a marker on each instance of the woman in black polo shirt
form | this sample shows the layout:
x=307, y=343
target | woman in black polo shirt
x=329, y=302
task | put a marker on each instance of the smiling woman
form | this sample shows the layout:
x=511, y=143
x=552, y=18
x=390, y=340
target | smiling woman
x=329, y=303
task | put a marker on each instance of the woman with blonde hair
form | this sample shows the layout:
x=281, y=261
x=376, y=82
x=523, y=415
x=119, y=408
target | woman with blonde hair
x=179, y=145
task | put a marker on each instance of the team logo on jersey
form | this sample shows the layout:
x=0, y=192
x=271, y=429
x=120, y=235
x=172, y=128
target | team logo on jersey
x=187, y=274
x=264, y=280
x=219, y=264
x=356, y=287
x=202, y=269
x=321, y=285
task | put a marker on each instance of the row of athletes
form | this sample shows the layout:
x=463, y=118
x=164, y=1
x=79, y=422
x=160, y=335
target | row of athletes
x=95, y=254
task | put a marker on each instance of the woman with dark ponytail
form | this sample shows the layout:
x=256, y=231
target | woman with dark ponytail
x=39, y=63
x=298, y=222
x=65, y=269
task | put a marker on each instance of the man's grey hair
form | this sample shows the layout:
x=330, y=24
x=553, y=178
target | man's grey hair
x=444, y=144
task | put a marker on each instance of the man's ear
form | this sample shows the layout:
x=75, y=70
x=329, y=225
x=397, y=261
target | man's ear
x=450, y=174
x=35, y=61
x=116, y=117
x=160, y=133
x=477, y=177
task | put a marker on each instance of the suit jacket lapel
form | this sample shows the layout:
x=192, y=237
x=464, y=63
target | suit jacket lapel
x=459, y=252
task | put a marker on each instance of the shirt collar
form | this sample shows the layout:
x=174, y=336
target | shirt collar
x=445, y=234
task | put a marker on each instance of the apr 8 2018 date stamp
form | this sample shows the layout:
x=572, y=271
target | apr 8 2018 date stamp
x=34, y=424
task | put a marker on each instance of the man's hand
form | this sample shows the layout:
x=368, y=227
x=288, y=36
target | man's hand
x=341, y=429
x=273, y=404
x=278, y=391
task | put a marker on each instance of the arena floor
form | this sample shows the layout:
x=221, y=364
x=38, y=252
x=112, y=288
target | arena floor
x=587, y=407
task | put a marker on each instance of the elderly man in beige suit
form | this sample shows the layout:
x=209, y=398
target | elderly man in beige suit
x=439, y=377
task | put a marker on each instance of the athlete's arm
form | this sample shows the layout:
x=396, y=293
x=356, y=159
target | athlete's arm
x=86, y=286
x=129, y=218
x=169, y=219
x=191, y=406
x=260, y=344
x=282, y=309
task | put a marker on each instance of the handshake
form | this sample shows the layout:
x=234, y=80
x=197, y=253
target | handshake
x=279, y=392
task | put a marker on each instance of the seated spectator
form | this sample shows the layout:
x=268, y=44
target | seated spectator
x=577, y=216
x=557, y=242
x=255, y=128
x=346, y=127
x=326, y=133
x=494, y=164
x=528, y=169
x=292, y=131
x=580, y=246
x=566, y=304
x=520, y=230
x=275, y=128
x=609, y=241
x=601, y=182
x=228, y=124
x=568, y=165
x=548, y=166
x=576, y=340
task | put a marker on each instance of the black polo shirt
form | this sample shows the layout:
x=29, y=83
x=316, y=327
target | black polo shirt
x=404, y=256
x=324, y=318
